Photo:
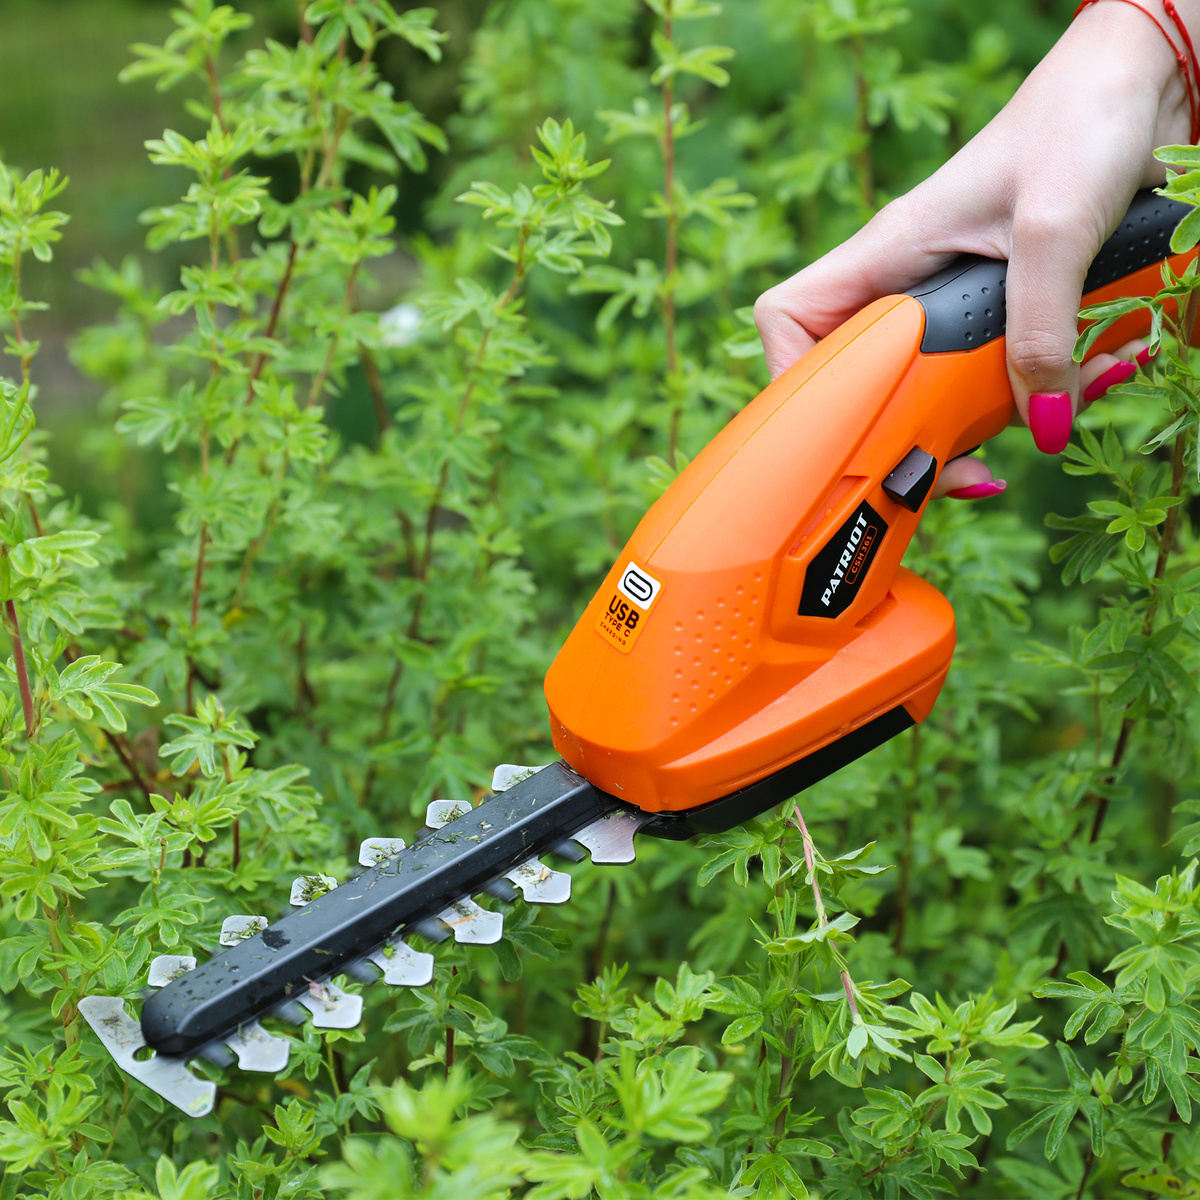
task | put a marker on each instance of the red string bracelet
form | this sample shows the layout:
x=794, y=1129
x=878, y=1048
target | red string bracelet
x=1184, y=60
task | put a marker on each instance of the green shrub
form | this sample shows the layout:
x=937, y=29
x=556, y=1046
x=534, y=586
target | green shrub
x=335, y=552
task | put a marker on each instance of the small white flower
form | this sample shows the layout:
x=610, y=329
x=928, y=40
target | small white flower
x=399, y=326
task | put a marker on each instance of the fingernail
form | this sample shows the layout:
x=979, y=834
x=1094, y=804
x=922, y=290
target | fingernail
x=979, y=491
x=1050, y=421
x=1144, y=356
x=1114, y=375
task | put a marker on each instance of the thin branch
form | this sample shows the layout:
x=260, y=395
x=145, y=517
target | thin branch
x=214, y=89
x=904, y=858
x=197, y=588
x=375, y=387
x=672, y=253
x=866, y=171
x=385, y=721
x=347, y=304
x=1088, y=1163
x=256, y=370
x=18, y=649
x=1165, y=547
x=822, y=920
x=124, y=752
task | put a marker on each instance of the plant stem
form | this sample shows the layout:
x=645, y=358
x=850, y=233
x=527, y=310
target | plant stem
x=331, y=1067
x=305, y=696
x=822, y=920
x=449, y=1063
x=18, y=648
x=214, y=89
x=788, y=1059
x=117, y=1124
x=866, y=172
x=375, y=387
x=260, y=360
x=591, y=1033
x=672, y=253
x=1165, y=547
x=422, y=560
x=347, y=304
x=124, y=751
x=904, y=858
x=1088, y=1163
x=464, y=405
x=197, y=588
x=254, y=549
x=385, y=720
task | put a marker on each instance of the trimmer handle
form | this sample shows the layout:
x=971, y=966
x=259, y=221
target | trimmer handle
x=758, y=630
x=964, y=302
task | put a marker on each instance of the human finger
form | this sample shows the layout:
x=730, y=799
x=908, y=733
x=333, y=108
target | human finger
x=1052, y=249
x=1103, y=372
x=967, y=478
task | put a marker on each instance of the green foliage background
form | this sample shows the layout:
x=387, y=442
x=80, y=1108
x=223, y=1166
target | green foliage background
x=335, y=552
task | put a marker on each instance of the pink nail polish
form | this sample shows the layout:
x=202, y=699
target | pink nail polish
x=979, y=491
x=1144, y=356
x=1114, y=375
x=1050, y=419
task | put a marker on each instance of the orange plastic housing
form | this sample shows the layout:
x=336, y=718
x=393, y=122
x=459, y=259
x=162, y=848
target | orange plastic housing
x=697, y=675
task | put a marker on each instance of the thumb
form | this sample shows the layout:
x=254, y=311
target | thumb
x=883, y=257
x=1047, y=265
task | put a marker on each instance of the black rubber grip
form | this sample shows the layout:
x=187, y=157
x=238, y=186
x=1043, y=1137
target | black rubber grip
x=964, y=302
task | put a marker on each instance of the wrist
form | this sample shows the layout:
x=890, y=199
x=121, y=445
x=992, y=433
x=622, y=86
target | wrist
x=1139, y=42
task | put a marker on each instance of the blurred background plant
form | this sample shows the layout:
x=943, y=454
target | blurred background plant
x=325, y=421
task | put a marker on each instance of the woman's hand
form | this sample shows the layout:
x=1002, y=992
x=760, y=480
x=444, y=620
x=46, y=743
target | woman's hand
x=1043, y=185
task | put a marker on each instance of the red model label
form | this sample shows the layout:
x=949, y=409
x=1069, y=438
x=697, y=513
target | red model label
x=864, y=553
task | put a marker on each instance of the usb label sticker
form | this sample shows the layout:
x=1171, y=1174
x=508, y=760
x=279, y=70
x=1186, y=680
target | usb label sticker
x=628, y=607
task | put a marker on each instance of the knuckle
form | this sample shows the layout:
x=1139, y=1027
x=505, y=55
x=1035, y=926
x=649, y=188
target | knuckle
x=1044, y=225
x=767, y=308
x=1039, y=354
x=922, y=216
x=904, y=214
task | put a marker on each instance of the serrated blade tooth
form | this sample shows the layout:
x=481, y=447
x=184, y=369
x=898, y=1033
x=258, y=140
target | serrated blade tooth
x=306, y=888
x=506, y=775
x=332, y=1008
x=610, y=839
x=258, y=1050
x=378, y=849
x=470, y=923
x=122, y=1037
x=442, y=812
x=539, y=884
x=168, y=967
x=239, y=928
x=404, y=966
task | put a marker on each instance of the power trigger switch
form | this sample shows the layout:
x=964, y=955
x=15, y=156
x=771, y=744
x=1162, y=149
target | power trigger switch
x=911, y=478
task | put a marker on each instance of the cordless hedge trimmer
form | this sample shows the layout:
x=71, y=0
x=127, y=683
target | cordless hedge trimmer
x=756, y=634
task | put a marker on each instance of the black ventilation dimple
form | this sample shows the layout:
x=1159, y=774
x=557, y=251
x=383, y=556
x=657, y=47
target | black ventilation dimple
x=962, y=314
